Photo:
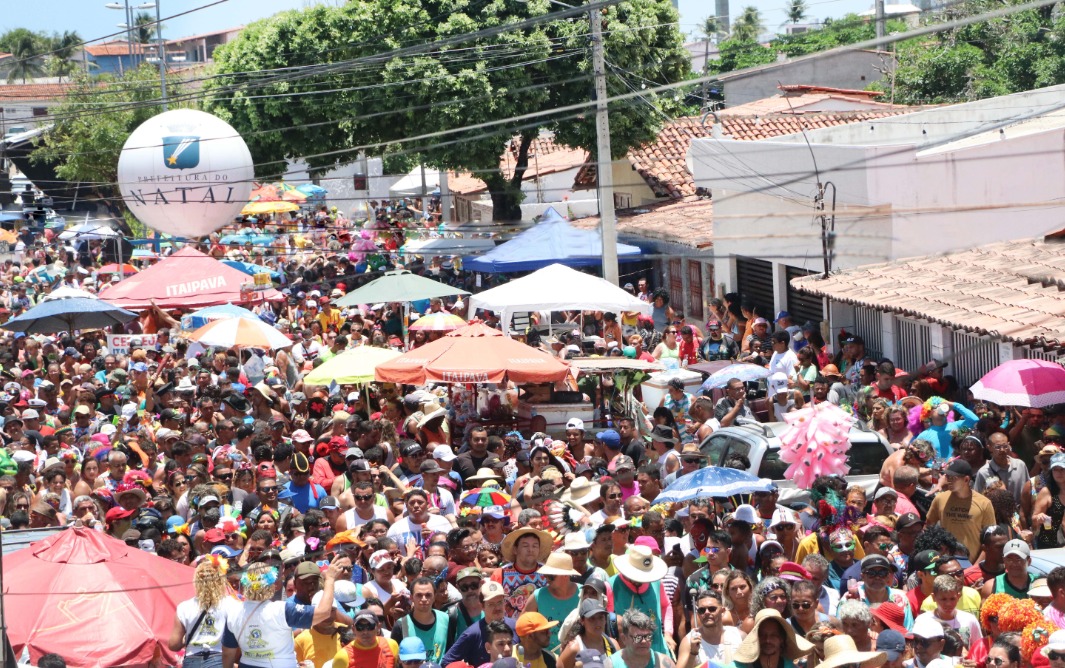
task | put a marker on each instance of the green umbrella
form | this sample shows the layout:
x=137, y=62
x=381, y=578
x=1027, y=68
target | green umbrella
x=398, y=286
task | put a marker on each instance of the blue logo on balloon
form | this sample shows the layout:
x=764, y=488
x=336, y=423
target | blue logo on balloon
x=181, y=152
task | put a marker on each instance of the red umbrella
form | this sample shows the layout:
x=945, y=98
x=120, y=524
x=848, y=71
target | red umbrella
x=92, y=600
x=473, y=354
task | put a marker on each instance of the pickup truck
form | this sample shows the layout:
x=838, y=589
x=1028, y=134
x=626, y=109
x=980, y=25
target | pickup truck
x=760, y=442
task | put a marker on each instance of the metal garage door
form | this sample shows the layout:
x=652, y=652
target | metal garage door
x=756, y=284
x=802, y=306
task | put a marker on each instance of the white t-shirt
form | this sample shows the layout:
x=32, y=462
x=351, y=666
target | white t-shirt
x=784, y=362
x=731, y=637
x=208, y=636
x=353, y=519
x=404, y=530
x=373, y=590
x=264, y=634
x=964, y=623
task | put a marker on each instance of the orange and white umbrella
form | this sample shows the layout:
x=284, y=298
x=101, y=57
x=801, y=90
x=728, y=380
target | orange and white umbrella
x=118, y=268
x=438, y=322
x=240, y=333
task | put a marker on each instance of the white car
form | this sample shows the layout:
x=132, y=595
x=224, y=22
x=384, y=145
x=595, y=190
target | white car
x=760, y=443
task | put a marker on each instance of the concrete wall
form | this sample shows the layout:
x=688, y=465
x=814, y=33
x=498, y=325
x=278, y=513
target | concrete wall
x=341, y=186
x=20, y=114
x=853, y=69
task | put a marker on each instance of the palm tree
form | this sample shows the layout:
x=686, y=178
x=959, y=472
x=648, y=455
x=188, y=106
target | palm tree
x=796, y=10
x=63, y=47
x=748, y=26
x=144, y=28
x=711, y=27
x=26, y=61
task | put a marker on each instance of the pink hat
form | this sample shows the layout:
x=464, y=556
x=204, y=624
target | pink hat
x=301, y=436
x=649, y=543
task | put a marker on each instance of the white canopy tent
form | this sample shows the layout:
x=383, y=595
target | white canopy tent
x=556, y=288
x=448, y=246
x=411, y=184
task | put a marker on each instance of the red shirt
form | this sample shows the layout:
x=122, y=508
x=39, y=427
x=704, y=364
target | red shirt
x=689, y=352
x=892, y=394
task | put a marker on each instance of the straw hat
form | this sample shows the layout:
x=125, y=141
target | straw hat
x=794, y=647
x=484, y=475
x=512, y=539
x=640, y=565
x=558, y=563
x=840, y=651
x=436, y=414
x=581, y=491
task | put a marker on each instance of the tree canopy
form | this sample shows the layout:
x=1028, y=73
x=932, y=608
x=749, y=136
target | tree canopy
x=37, y=54
x=369, y=98
x=1014, y=53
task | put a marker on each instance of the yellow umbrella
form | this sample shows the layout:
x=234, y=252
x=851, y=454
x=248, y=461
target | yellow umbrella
x=254, y=208
x=351, y=367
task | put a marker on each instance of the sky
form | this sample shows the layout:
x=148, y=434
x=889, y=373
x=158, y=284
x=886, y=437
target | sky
x=93, y=20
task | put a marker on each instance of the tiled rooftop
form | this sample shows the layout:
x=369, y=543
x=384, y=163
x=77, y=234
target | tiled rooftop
x=16, y=92
x=118, y=47
x=685, y=221
x=1012, y=290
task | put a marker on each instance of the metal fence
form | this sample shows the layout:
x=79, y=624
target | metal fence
x=974, y=355
x=1041, y=354
x=869, y=326
x=913, y=344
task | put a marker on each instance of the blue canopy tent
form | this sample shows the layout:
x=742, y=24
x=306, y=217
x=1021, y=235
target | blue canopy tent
x=552, y=241
x=250, y=268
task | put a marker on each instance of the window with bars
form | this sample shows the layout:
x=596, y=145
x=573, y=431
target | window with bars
x=974, y=356
x=913, y=344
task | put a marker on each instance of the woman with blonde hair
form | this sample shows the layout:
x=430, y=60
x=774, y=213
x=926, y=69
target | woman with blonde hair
x=200, y=620
x=262, y=627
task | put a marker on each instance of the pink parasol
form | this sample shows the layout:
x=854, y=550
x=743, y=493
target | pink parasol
x=816, y=444
x=1032, y=383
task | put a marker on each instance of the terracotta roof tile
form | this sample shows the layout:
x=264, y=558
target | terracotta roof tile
x=1012, y=290
x=14, y=92
x=686, y=221
x=118, y=47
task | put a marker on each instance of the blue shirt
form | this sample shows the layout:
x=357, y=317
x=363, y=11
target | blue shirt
x=940, y=436
x=303, y=498
x=469, y=646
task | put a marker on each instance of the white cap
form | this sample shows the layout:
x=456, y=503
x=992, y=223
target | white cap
x=926, y=626
x=745, y=513
x=312, y=303
x=444, y=453
x=30, y=414
x=784, y=515
x=1055, y=644
x=353, y=395
x=1016, y=546
x=575, y=423
x=777, y=383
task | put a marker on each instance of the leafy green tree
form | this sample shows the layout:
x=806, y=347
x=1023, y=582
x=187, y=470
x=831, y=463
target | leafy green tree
x=711, y=27
x=62, y=47
x=796, y=11
x=1010, y=54
x=94, y=120
x=15, y=36
x=374, y=99
x=27, y=61
x=739, y=54
x=748, y=26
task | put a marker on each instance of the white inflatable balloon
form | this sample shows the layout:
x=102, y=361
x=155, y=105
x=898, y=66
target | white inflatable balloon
x=185, y=173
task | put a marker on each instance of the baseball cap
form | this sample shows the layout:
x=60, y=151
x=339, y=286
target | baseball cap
x=470, y=572
x=926, y=626
x=329, y=503
x=491, y=589
x=591, y=607
x=430, y=466
x=760, y=321
x=908, y=520
x=494, y=512
x=925, y=560
x=1017, y=546
x=529, y=623
x=365, y=616
x=444, y=453
x=214, y=535
x=308, y=569
x=623, y=463
x=412, y=649
x=781, y=315
x=575, y=423
x=30, y=414
x=777, y=383
x=793, y=572
x=610, y=439
x=962, y=467
x=892, y=643
x=875, y=561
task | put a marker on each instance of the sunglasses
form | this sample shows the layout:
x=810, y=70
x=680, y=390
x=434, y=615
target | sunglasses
x=877, y=572
x=954, y=574
x=690, y=460
x=785, y=526
x=802, y=605
x=465, y=589
x=267, y=490
x=709, y=608
x=925, y=642
x=225, y=477
x=613, y=496
x=365, y=626
x=643, y=637
x=1056, y=656
x=997, y=661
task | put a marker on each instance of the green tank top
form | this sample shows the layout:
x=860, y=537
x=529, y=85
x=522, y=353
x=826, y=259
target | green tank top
x=555, y=610
x=434, y=639
x=1003, y=586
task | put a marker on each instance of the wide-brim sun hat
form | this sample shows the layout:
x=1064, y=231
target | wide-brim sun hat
x=794, y=646
x=558, y=563
x=640, y=565
x=581, y=491
x=485, y=475
x=840, y=651
x=507, y=548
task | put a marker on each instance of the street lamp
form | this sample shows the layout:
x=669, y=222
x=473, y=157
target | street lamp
x=124, y=5
x=160, y=48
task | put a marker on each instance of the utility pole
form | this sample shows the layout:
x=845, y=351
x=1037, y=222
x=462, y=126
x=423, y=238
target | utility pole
x=604, y=166
x=162, y=50
x=880, y=19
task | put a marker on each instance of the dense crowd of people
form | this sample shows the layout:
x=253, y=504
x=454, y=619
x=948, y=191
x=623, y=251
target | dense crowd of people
x=370, y=527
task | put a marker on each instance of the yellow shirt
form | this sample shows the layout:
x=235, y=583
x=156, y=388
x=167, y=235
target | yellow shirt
x=969, y=602
x=809, y=545
x=324, y=650
x=529, y=662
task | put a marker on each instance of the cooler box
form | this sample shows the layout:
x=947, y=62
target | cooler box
x=557, y=415
x=654, y=388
